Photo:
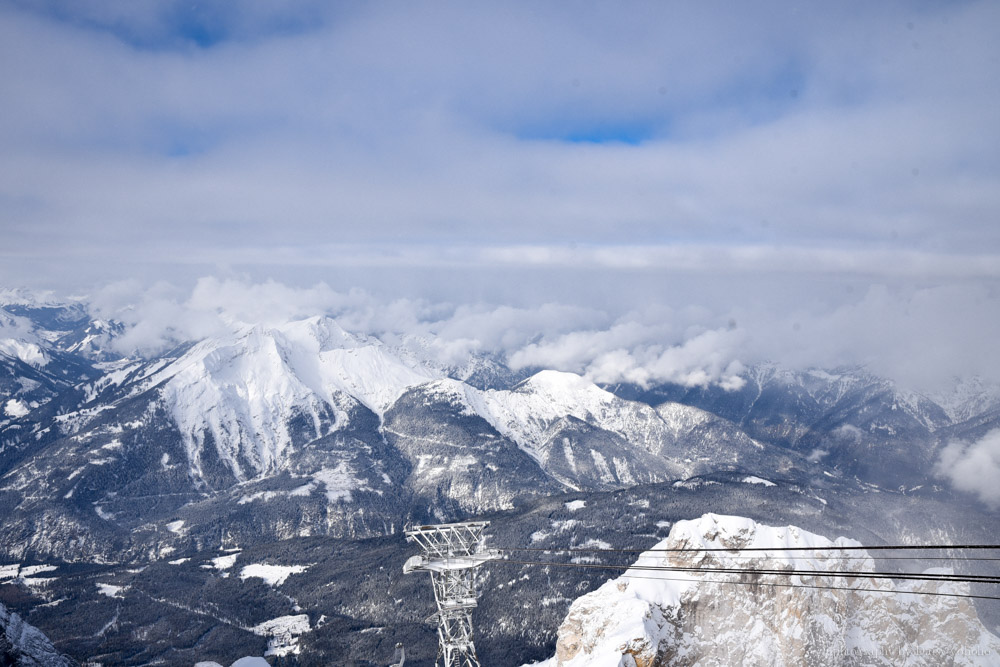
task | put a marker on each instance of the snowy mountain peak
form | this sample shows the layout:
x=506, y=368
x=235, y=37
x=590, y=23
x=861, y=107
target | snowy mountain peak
x=241, y=392
x=564, y=388
x=651, y=619
x=714, y=531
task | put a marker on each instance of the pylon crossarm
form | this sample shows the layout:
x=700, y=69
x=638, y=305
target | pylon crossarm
x=434, y=564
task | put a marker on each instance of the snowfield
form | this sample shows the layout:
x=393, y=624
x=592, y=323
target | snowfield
x=284, y=632
x=274, y=575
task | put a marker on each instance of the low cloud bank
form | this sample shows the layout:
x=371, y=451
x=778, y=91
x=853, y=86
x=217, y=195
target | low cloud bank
x=923, y=337
x=974, y=467
x=657, y=344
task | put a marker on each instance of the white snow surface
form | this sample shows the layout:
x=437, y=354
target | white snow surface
x=274, y=575
x=110, y=590
x=758, y=480
x=242, y=390
x=15, y=408
x=27, y=351
x=239, y=394
x=283, y=632
x=222, y=563
x=526, y=413
x=694, y=619
x=248, y=661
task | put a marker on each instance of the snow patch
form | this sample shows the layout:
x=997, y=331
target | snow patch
x=592, y=543
x=758, y=480
x=283, y=632
x=222, y=563
x=110, y=590
x=32, y=570
x=28, y=352
x=575, y=505
x=15, y=408
x=274, y=575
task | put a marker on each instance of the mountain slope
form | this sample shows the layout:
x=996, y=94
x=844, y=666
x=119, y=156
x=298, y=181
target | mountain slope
x=855, y=422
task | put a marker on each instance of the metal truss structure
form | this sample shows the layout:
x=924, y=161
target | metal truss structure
x=452, y=551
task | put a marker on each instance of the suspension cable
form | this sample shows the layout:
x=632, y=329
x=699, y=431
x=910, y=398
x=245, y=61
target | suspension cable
x=939, y=547
x=855, y=575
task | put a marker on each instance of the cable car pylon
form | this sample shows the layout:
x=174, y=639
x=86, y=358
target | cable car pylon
x=452, y=551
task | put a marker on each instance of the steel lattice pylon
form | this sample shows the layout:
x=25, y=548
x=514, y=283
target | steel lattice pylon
x=452, y=551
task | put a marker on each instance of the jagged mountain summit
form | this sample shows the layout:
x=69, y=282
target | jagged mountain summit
x=647, y=618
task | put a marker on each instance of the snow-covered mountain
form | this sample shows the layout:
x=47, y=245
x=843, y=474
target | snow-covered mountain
x=304, y=428
x=848, y=419
x=310, y=426
x=650, y=618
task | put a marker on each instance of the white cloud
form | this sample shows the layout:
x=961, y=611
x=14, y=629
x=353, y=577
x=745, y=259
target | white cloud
x=644, y=354
x=656, y=344
x=818, y=140
x=920, y=337
x=974, y=467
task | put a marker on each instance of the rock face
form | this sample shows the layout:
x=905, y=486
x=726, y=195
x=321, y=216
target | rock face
x=23, y=645
x=644, y=619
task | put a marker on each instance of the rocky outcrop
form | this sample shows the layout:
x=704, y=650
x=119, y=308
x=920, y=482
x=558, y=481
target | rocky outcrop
x=651, y=618
x=23, y=645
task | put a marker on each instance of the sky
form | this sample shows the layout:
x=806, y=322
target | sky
x=636, y=189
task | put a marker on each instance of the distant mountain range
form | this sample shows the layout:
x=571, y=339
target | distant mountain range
x=305, y=430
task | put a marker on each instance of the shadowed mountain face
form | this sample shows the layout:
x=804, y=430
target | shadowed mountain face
x=23, y=645
x=850, y=421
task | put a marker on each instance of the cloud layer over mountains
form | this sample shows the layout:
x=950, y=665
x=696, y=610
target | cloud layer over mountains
x=974, y=467
x=638, y=191
x=919, y=337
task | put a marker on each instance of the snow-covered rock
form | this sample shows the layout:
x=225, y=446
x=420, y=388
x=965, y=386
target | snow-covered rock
x=23, y=645
x=241, y=394
x=648, y=618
